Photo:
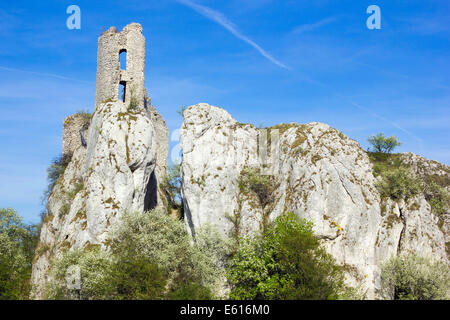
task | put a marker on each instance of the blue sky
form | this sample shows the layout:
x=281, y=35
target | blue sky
x=264, y=61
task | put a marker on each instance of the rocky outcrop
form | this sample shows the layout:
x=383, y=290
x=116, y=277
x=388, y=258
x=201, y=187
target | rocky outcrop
x=320, y=174
x=428, y=171
x=113, y=173
x=424, y=168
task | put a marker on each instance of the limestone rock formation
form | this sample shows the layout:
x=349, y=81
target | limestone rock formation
x=112, y=174
x=118, y=157
x=321, y=175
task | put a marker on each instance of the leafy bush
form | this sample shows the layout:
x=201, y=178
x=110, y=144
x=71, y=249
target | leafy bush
x=398, y=184
x=137, y=278
x=190, y=291
x=171, y=185
x=438, y=198
x=181, y=110
x=383, y=144
x=411, y=277
x=150, y=257
x=104, y=276
x=164, y=240
x=54, y=171
x=17, y=244
x=287, y=262
x=263, y=186
x=94, y=266
x=383, y=162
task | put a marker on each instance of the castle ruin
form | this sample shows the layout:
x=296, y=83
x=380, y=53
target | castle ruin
x=111, y=44
x=130, y=42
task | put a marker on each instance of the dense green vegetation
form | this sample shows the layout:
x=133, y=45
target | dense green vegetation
x=150, y=257
x=411, y=277
x=286, y=262
x=435, y=191
x=17, y=244
x=398, y=184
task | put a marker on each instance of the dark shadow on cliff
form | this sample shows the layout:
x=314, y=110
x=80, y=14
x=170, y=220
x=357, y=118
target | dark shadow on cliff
x=151, y=193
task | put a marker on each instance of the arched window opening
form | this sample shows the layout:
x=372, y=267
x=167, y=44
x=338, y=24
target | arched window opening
x=122, y=90
x=123, y=59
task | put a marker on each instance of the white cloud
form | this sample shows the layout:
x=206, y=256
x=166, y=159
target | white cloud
x=231, y=27
x=51, y=75
x=310, y=27
x=394, y=124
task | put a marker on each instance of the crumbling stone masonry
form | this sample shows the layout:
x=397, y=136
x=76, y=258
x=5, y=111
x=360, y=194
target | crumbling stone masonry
x=111, y=44
x=74, y=134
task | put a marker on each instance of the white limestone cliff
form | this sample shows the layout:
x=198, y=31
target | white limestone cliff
x=323, y=176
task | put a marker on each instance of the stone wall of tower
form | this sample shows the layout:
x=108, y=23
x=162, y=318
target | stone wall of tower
x=109, y=75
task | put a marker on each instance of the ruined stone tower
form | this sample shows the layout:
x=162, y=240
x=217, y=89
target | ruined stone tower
x=111, y=44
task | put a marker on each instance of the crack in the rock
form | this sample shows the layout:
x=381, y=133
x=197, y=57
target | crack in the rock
x=402, y=217
x=343, y=185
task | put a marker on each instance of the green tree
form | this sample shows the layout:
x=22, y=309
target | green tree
x=383, y=144
x=171, y=185
x=286, y=262
x=17, y=244
x=412, y=277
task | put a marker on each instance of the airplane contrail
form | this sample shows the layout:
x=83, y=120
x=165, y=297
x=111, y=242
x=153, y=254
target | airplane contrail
x=231, y=27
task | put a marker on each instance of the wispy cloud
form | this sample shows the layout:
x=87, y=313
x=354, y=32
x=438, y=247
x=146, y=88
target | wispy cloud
x=426, y=24
x=51, y=75
x=7, y=22
x=310, y=27
x=231, y=27
x=394, y=124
